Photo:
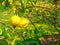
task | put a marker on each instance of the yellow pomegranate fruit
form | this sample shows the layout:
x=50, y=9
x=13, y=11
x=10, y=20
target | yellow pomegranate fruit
x=24, y=22
x=15, y=20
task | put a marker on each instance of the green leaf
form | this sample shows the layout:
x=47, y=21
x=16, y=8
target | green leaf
x=3, y=42
x=4, y=32
x=31, y=41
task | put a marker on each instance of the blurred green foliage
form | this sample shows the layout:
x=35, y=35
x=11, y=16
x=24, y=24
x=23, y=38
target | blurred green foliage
x=44, y=16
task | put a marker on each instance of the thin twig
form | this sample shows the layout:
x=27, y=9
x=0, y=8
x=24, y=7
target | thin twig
x=5, y=24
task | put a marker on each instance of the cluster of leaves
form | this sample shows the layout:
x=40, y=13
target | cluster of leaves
x=43, y=15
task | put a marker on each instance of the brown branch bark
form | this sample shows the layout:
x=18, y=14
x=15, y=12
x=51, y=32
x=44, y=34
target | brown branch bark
x=46, y=40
